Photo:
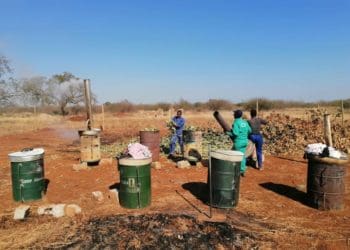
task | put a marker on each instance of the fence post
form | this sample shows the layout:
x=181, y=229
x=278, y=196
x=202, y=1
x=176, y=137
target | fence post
x=327, y=130
x=103, y=117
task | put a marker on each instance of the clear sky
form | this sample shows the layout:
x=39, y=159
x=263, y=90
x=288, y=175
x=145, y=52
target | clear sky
x=164, y=50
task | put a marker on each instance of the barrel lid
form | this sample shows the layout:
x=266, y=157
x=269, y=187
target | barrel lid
x=27, y=155
x=128, y=161
x=227, y=155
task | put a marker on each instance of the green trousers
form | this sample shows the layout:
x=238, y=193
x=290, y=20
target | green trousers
x=241, y=148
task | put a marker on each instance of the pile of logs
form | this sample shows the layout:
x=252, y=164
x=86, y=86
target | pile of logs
x=285, y=135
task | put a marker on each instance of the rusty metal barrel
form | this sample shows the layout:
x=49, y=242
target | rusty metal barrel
x=151, y=139
x=326, y=183
x=90, y=147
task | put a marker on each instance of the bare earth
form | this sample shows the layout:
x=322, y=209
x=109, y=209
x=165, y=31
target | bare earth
x=271, y=209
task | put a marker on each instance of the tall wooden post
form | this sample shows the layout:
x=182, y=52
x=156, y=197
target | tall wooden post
x=327, y=130
x=257, y=106
x=88, y=103
x=103, y=117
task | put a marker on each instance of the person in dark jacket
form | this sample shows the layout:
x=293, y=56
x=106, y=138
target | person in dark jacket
x=256, y=136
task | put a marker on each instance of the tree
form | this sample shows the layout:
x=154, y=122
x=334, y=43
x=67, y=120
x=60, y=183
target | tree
x=7, y=83
x=216, y=104
x=66, y=89
x=34, y=91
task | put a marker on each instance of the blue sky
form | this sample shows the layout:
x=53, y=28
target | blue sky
x=152, y=51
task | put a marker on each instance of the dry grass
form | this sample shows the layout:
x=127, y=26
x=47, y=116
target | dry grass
x=25, y=122
x=129, y=124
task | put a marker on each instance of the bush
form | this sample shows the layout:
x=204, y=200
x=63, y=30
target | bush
x=216, y=104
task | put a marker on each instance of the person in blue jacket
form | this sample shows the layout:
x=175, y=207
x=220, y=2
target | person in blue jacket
x=178, y=124
x=239, y=134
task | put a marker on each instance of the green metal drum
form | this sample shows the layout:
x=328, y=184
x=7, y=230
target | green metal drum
x=135, y=182
x=225, y=165
x=27, y=172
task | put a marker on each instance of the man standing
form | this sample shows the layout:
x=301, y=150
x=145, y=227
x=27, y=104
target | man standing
x=178, y=124
x=256, y=137
x=239, y=134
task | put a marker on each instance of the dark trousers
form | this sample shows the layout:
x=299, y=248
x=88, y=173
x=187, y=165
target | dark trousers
x=258, y=141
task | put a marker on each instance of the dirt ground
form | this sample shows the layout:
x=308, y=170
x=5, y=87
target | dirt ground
x=272, y=210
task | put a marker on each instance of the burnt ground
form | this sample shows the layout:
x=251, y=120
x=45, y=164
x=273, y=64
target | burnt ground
x=272, y=210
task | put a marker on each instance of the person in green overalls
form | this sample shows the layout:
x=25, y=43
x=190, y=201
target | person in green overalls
x=239, y=134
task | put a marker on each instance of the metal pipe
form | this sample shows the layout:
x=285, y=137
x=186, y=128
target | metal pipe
x=210, y=184
x=221, y=121
x=88, y=105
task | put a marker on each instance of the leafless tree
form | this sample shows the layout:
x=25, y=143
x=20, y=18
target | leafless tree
x=66, y=89
x=7, y=83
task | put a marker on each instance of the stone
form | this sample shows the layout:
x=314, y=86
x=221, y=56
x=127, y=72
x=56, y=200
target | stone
x=156, y=165
x=72, y=209
x=113, y=194
x=21, y=212
x=56, y=210
x=183, y=164
x=97, y=195
x=45, y=209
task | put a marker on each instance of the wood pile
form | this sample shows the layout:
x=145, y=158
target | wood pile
x=285, y=135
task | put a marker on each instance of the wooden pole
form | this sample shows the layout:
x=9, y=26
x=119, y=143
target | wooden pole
x=103, y=117
x=327, y=130
x=257, y=106
x=87, y=93
x=342, y=113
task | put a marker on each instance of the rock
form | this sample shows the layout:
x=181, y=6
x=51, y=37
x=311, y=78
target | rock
x=71, y=210
x=45, y=209
x=97, y=195
x=56, y=210
x=156, y=165
x=21, y=212
x=199, y=165
x=183, y=164
x=80, y=166
x=113, y=194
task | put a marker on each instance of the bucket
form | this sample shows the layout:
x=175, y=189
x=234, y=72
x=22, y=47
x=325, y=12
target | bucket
x=151, y=139
x=27, y=174
x=135, y=182
x=225, y=170
x=90, y=146
x=326, y=183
